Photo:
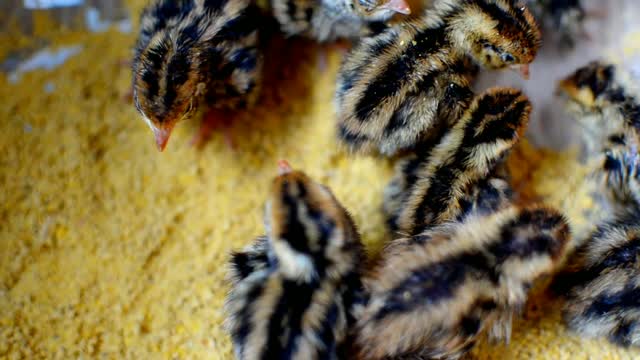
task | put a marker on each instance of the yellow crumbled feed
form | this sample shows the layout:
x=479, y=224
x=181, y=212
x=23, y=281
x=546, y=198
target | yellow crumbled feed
x=110, y=249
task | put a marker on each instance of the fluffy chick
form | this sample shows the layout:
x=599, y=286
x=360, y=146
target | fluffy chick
x=192, y=50
x=435, y=293
x=605, y=101
x=604, y=300
x=293, y=301
x=329, y=20
x=401, y=87
x=466, y=155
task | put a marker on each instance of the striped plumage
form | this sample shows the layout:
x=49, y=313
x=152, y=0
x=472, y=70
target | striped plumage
x=254, y=257
x=604, y=296
x=293, y=300
x=191, y=50
x=488, y=195
x=435, y=293
x=329, y=20
x=602, y=281
x=605, y=101
x=399, y=88
x=443, y=175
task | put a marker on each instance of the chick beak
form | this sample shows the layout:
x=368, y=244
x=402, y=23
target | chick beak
x=284, y=167
x=162, y=135
x=399, y=6
x=523, y=69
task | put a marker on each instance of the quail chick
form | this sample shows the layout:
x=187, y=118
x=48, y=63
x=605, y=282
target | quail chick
x=435, y=293
x=293, y=289
x=466, y=155
x=604, y=298
x=605, y=101
x=400, y=88
x=330, y=20
x=192, y=51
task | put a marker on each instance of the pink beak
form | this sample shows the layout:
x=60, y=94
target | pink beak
x=399, y=6
x=284, y=167
x=162, y=136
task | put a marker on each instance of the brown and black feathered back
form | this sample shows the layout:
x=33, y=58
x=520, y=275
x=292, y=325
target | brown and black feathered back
x=435, y=293
x=400, y=88
x=392, y=94
x=466, y=155
x=293, y=289
x=488, y=195
x=187, y=49
x=604, y=287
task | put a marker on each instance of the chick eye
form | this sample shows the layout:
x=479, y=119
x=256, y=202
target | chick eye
x=508, y=58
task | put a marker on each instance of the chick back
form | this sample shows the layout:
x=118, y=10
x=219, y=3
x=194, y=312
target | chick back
x=436, y=292
x=397, y=88
x=465, y=156
x=605, y=289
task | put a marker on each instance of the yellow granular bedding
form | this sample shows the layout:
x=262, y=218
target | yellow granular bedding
x=109, y=249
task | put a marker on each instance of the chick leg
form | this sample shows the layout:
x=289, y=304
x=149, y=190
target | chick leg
x=212, y=121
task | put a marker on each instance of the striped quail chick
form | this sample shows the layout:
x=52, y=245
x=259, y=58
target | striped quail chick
x=401, y=88
x=192, y=51
x=293, y=289
x=436, y=293
x=605, y=101
x=604, y=283
x=438, y=186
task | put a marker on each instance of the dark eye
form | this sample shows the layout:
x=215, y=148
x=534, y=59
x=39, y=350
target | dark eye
x=508, y=58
